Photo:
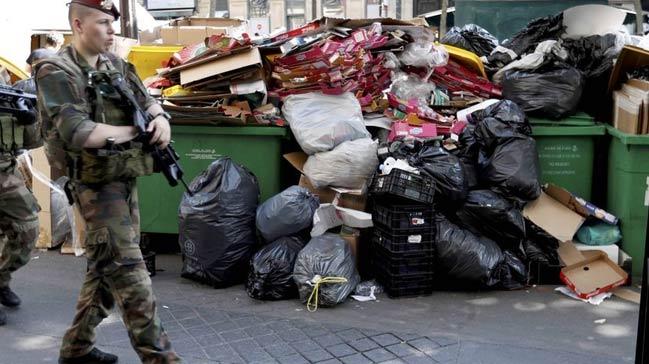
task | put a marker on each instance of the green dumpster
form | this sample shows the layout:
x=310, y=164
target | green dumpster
x=567, y=152
x=628, y=174
x=504, y=18
x=257, y=148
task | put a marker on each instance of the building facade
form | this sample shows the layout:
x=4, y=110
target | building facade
x=289, y=14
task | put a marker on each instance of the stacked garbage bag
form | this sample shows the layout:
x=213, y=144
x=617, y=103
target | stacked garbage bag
x=283, y=221
x=543, y=68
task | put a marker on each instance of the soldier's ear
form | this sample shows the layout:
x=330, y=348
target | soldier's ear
x=76, y=26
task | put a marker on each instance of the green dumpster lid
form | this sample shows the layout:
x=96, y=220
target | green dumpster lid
x=552, y=130
x=628, y=138
x=579, y=119
x=230, y=130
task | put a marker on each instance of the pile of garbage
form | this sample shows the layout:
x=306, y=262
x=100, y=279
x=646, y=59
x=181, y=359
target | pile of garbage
x=379, y=110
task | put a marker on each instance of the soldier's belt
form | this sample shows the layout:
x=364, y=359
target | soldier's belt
x=102, y=166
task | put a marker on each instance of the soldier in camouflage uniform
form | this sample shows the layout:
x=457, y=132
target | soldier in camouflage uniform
x=89, y=133
x=18, y=207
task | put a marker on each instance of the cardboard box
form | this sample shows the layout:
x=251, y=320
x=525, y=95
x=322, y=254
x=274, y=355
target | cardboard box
x=559, y=213
x=594, y=275
x=631, y=107
x=189, y=31
x=355, y=200
x=221, y=66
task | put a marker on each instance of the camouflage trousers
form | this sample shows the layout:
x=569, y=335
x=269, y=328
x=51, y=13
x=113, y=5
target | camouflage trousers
x=116, y=275
x=18, y=221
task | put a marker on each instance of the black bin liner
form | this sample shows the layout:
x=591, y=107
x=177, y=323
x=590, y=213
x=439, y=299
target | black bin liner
x=286, y=213
x=217, y=224
x=271, y=270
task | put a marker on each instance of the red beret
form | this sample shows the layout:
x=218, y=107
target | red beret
x=106, y=6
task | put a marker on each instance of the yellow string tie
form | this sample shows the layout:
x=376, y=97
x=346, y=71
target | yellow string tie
x=312, y=302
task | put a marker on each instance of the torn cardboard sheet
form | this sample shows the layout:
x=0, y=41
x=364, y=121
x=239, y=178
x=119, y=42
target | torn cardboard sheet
x=329, y=216
x=627, y=294
x=561, y=213
x=595, y=300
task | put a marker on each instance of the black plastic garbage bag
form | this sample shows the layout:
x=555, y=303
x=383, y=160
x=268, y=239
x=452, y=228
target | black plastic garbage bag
x=513, y=273
x=594, y=56
x=271, y=270
x=472, y=38
x=499, y=122
x=553, y=93
x=487, y=213
x=464, y=256
x=468, y=152
x=513, y=169
x=286, y=213
x=217, y=224
x=324, y=256
x=540, y=246
x=446, y=169
x=526, y=40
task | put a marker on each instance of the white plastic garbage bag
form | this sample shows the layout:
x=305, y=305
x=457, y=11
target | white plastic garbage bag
x=321, y=122
x=347, y=166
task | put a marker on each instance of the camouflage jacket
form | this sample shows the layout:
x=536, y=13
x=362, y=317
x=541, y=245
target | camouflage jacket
x=64, y=105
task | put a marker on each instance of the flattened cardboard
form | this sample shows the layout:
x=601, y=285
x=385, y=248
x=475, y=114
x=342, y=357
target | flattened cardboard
x=220, y=66
x=579, y=205
x=570, y=255
x=592, y=276
x=627, y=294
x=554, y=217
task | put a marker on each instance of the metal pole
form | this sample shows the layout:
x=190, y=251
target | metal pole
x=642, y=345
x=442, y=19
x=127, y=19
x=638, y=17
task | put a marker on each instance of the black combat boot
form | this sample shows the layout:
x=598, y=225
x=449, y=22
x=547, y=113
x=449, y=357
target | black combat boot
x=96, y=356
x=8, y=297
x=3, y=318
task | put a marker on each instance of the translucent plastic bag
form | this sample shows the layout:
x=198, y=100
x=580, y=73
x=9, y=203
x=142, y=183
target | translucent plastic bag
x=321, y=122
x=347, y=166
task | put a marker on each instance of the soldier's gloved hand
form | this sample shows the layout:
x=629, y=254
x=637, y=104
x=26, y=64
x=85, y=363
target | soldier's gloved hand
x=160, y=132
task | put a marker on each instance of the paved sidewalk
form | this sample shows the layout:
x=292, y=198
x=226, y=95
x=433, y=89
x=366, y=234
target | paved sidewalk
x=225, y=326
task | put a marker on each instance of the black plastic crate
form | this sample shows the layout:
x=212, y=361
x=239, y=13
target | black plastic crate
x=400, y=183
x=400, y=218
x=408, y=286
x=403, y=242
x=398, y=264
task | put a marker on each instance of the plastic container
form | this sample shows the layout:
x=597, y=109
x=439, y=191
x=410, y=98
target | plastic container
x=567, y=152
x=397, y=264
x=400, y=183
x=147, y=59
x=406, y=286
x=257, y=148
x=403, y=242
x=404, y=218
x=628, y=182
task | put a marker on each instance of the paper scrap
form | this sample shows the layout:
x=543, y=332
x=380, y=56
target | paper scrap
x=329, y=216
x=600, y=321
x=595, y=300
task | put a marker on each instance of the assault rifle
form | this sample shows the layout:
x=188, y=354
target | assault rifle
x=166, y=160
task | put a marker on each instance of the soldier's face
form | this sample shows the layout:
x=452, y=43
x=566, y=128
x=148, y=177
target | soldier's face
x=95, y=31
